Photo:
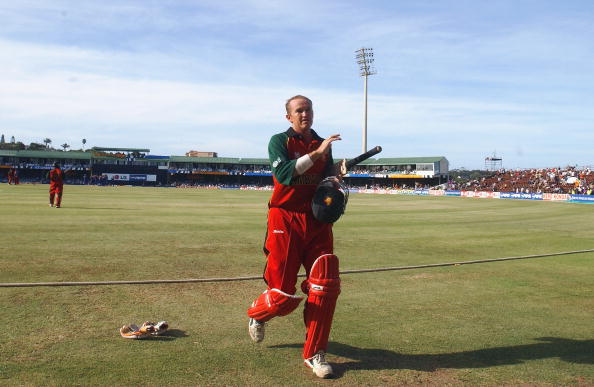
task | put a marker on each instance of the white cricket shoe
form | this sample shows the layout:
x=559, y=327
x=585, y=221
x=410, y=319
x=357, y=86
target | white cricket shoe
x=319, y=365
x=256, y=329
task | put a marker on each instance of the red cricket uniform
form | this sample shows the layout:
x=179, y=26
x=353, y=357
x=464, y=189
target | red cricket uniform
x=294, y=238
x=56, y=189
x=12, y=176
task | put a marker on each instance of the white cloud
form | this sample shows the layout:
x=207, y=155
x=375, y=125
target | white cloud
x=214, y=75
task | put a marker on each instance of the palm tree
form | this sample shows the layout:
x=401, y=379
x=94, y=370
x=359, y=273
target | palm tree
x=65, y=146
x=47, y=141
x=84, y=141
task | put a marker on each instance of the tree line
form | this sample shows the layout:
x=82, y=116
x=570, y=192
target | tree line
x=47, y=145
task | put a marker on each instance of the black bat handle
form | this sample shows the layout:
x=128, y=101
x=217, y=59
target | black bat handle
x=362, y=157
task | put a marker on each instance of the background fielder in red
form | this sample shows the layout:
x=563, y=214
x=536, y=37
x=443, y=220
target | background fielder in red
x=300, y=159
x=56, y=177
x=13, y=176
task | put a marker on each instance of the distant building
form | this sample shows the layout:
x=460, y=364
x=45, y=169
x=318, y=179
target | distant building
x=194, y=153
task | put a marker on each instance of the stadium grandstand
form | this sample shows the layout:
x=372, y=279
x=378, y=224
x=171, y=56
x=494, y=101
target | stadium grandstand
x=414, y=175
x=568, y=180
x=135, y=166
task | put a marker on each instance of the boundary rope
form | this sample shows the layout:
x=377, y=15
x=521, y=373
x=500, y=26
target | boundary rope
x=250, y=278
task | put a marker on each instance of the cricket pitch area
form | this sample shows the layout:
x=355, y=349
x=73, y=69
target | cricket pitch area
x=528, y=322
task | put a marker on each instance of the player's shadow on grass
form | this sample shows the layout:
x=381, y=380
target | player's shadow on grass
x=169, y=335
x=355, y=358
x=174, y=333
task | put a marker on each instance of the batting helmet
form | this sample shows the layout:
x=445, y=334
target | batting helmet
x=329, y=200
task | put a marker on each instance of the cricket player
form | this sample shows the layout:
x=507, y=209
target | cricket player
x=12, y=176
x=300, y=159
x=56, y=177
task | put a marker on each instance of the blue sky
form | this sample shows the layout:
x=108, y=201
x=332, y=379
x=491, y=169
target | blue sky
x=460, y=79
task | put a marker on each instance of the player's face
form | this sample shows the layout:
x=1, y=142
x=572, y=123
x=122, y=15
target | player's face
x=300, y=115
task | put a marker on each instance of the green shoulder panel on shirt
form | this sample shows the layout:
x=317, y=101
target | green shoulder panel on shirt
x=282, y=166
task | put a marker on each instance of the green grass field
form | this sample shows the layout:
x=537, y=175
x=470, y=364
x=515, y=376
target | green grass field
x=528, y=322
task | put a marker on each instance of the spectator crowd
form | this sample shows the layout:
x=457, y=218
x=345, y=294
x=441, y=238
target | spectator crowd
x=569, y=180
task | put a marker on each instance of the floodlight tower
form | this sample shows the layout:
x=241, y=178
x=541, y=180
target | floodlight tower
x=364, y=57
x=493, y=163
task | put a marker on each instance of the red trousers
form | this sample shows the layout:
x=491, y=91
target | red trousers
x=293, y=239
x=55, y=195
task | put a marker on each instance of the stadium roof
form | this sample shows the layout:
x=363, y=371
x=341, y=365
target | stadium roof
x=400, y=160
x=41, y=154
x=254, y=161
x=403, y=160
x=103, y=149
x=206, y=160
x=219, y=160
x=58, y=154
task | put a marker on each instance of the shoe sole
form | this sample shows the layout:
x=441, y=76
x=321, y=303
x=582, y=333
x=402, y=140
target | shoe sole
x=254, y=339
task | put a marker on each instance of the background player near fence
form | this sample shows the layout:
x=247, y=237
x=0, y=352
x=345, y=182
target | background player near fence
x=300, y=159
x=56, y=177
x=10, y=176
x=13, y=176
